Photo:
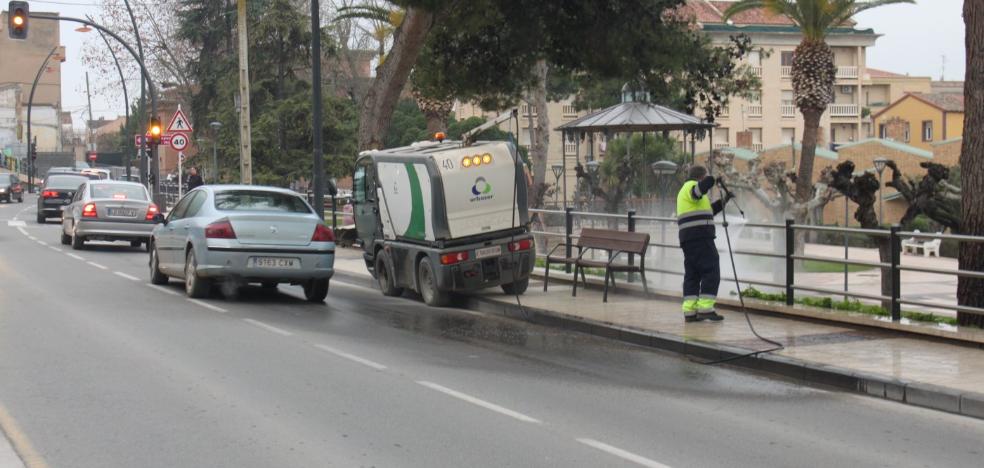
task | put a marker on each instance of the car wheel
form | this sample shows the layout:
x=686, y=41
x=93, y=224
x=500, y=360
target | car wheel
x=135, y=243
x=41, y=218
x=316, y=290
x=156, y=277
x=195, y=286
x=269, y=285
x=20, y=199
x=516, y=287
x=386, y=283
x=78, y=243
x=428, y=285
x=65, y=238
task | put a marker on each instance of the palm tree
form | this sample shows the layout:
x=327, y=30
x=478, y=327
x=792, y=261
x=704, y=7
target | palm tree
x=813, y=63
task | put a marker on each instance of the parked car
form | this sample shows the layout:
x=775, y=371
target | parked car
x=57, y=191
x=11, y=188
x=243, y=234
x=109, y=211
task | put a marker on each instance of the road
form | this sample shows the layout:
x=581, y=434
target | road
x=101, y=369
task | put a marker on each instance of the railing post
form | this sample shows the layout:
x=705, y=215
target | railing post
x=790, y=265
x=896, y=249
x=632, y=228
x=568, y=236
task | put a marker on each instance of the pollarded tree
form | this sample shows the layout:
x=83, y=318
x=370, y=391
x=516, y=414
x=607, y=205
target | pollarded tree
x=813, y=63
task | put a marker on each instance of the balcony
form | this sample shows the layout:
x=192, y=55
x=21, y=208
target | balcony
x=850, y=72
x=569, y=113
x=756, y=70
x=844, y=110
x=754, y=110
x=721, y=145
x=757, y=147
x=786, y=72
x=725, y=112
x=787, y=111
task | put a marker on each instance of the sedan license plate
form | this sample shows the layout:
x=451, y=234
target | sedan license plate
x=488, y=252
x=123, y=212
x=288, y=263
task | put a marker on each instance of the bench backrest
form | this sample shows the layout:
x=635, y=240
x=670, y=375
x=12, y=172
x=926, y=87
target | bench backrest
x=629, y=242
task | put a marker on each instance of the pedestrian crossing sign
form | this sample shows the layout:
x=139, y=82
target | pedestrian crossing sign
x=179, y=123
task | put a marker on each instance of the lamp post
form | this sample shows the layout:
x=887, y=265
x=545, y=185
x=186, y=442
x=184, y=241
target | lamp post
x=215, y=160
x=558, y=170
x=880, y=164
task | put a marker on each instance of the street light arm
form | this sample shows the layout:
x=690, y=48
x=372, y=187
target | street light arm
x=126, y=97
x=30, y=105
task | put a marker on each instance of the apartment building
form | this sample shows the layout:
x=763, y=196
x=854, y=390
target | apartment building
x=920, y=119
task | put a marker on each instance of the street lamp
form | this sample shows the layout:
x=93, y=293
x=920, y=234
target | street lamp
x=215, y=164
x=880, y=164
x=558, y=170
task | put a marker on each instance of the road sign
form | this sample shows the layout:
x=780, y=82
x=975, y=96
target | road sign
x=179, y=141
x=139, y=139
x=92, y=155
x=179, y=123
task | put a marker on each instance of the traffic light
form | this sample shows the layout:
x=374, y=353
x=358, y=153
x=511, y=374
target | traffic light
x=17, y=13
x=34, y=150
x=155, y=131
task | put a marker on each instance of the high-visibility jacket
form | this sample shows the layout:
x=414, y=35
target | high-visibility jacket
x=695, y=212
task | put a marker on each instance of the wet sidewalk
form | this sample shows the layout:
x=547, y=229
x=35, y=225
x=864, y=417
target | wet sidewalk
x=926, y=371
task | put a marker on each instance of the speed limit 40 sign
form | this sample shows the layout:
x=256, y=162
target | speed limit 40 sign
x=179, y=141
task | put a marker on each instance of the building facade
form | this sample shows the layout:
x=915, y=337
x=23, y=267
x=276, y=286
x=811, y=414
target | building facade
x=920, y=119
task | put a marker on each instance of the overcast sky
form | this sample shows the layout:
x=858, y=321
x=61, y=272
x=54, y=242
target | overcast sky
x=914, y=40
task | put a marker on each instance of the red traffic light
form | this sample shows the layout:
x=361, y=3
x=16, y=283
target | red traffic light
x=17, y=20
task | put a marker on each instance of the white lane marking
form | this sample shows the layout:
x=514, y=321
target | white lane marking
x=272, y=328
x=203, y=304
x=75, y=256
x=168, y=291
x=479, y=402
x=23, y=231
x=351, y=357
x=97, y=265
x=56, y=249
x=623, y=454
x=16, y=223
x=124, y=275
x=42, y=242
x=32, y=237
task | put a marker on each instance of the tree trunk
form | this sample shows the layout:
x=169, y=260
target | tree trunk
x=540, y=146
x=970, y=291
x=391, y=77
x=804, y=175
x=436, y=123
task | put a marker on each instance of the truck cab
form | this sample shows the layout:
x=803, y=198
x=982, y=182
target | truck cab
x=444, y=217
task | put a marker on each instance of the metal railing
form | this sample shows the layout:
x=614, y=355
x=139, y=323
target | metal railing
x=893, y=267
x=849, y=71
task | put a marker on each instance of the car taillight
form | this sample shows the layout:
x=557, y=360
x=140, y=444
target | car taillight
x=152, y=211
x=89, y=210
x=452, y=258
x=220, y=230
x=49, y=194
x=517, y=246
x=323, y=233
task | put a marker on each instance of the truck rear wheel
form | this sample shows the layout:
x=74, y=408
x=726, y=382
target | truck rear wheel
x=516, y=287
x=428, y=285
x=386, y=283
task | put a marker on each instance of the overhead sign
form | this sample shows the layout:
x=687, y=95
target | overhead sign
x=179, y=141
x=179, y=123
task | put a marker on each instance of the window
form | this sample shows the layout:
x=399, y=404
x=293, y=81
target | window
x=788, y=135
x=927, y=130
x=755, y=58
x=118, y=191
x=182, y=206
x=570, y=148
x=722, y=135
x=259, y=200
x=359, y=184
x=787, y=98
x=196, y=204
x=65, y=182
x=786, y=58
x=756, y=135
x=881, y=131
x=905, y=133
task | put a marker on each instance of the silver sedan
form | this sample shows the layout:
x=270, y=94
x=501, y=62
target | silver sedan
x=240, y=234
x=109, y=211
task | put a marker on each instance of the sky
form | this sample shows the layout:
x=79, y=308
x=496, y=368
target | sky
x=915, y=38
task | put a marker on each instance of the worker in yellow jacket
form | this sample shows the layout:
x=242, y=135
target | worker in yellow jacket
x=702, y=269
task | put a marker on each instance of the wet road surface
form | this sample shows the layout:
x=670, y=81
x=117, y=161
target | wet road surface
x=101, y=369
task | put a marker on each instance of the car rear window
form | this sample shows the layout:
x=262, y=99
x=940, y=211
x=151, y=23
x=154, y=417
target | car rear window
x=4, y=181
x=118, y=191
x=65, y=182
x=256, y=200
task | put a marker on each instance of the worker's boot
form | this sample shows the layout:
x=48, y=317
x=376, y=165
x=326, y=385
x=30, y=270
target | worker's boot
x=692, y=318
x=711, y=316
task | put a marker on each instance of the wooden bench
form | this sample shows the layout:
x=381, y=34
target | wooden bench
x=614, y=243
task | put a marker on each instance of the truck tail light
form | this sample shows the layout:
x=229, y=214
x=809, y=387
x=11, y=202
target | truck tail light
x=323, y=233
x=152, y=211
x=89, y=210
x=521, y=245
x=49, y=194
x=220, y=230
x=453, y=258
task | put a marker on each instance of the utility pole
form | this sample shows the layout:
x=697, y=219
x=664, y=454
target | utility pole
x=245, y=149
x=88, y=95
x=318, y=153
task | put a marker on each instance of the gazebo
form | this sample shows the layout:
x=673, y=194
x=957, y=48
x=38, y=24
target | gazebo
x=634, y=114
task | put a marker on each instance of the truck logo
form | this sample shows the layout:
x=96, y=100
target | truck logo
x=482, y=190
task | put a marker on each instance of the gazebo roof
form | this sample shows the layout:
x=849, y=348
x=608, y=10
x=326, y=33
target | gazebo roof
x=635, y=117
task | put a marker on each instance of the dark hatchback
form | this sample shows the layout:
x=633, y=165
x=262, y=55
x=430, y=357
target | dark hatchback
x=57, y=192
x=11, y=188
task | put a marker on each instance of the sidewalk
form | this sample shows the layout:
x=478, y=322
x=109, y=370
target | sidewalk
x=927, y=372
